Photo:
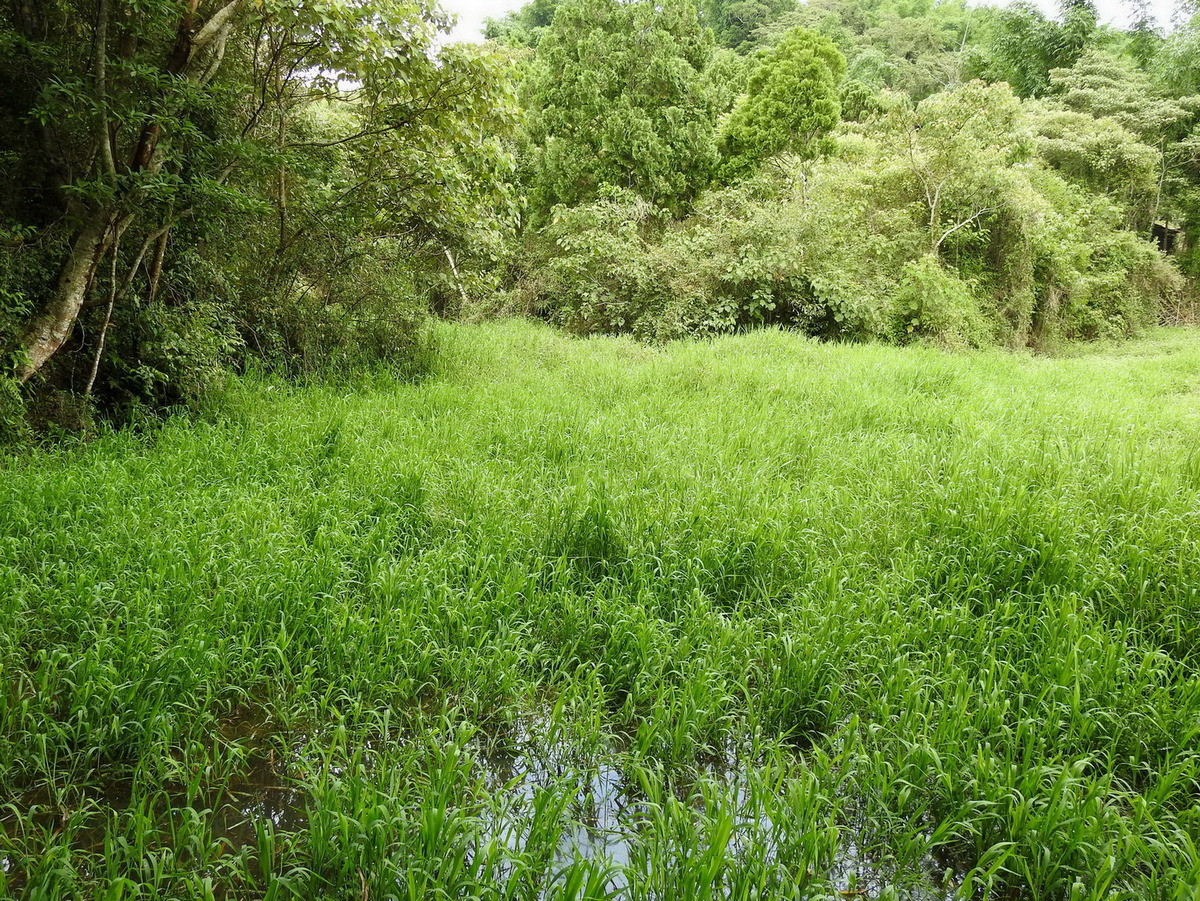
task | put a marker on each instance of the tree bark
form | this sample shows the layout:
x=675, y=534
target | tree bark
x=51, y=327
x=462, y=292
x=156, y=267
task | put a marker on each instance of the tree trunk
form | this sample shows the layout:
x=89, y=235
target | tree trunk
x=462, y=292
x=112, y=300
x=52, y=325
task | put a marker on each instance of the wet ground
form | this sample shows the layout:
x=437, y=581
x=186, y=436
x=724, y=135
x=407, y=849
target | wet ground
x=608, y=810
x=258, y=790
x=605, y=814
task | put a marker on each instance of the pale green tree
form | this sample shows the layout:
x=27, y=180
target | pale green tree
x=1102, y=84
x=1100, y=154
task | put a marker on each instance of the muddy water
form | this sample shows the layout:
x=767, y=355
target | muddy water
x=260, y=791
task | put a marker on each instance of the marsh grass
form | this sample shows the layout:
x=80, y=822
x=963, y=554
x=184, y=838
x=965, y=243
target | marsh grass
x=787, y=619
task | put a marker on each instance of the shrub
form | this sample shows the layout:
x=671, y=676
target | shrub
x=934, y=303
x=931, y=223
x=597, y=266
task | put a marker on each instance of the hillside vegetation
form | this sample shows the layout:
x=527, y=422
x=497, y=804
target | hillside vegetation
x=752, y=618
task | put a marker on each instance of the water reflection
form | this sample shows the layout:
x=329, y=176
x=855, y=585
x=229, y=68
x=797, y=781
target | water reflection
x=606, y=812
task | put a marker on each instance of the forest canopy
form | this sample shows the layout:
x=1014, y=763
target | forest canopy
x=194, y=186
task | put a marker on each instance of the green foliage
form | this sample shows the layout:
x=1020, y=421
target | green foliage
x=734, y=22
x=295, y=184
x=594, y=267
x=725, y=78
x=522, y=27
x=936, y=222
x=617, y=97
x=1102, y=155
x=914, y=48
x=1106, y=86
x=1154, y=179
x=790, y=106
x=751, y=606
x=1177, y=64
x=281, y=181
x=934, y=303
x=13, y=425
x=1078, y=22
x=165, y=352
x=1021, y=46
x=859, y=102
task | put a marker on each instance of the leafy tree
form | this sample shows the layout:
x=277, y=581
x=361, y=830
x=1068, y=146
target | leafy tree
x=617, y=97
x=1177, y=64
x=1144, y=40
x=1075, y=31
x=923, y=52
x=180, y=162
x=1102, y=84
x=859, y=101
x=938, y=223
x=791, y=103
x=724, y=79
x=916, y=47
x=1105, y=86
x=522, y=27
x=1021, y=47
x=957, y=147
x=734, y=22
x=1100, y=154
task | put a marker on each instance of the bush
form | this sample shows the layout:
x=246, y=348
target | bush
x=937, y=305
x=14, y=426
x=309, y=327
x=596, y=271
x=931, y=223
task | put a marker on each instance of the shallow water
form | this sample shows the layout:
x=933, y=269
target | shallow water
x=607, y=812
x=604, y=818
x=260, y=791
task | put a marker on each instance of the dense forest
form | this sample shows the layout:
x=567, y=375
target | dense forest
x=193, y=187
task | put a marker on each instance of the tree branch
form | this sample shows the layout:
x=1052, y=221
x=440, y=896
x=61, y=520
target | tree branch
x=100, y=52
x=963, y=224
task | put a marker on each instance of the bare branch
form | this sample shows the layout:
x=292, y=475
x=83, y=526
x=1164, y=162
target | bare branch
x=979, y=214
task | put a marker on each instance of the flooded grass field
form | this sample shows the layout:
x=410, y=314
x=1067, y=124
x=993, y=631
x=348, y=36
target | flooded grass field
x=757, y=618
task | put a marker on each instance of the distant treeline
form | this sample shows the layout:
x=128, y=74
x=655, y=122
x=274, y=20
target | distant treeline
x=853, y=168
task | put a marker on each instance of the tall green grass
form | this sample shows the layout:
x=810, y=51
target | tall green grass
x=759, y=618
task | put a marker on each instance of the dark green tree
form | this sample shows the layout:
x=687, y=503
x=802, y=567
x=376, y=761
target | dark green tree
x=1075, y=32
x=1021, y=44
x=617, y=97
x=164, y=151
x=1020, y=47
x=734, y=22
